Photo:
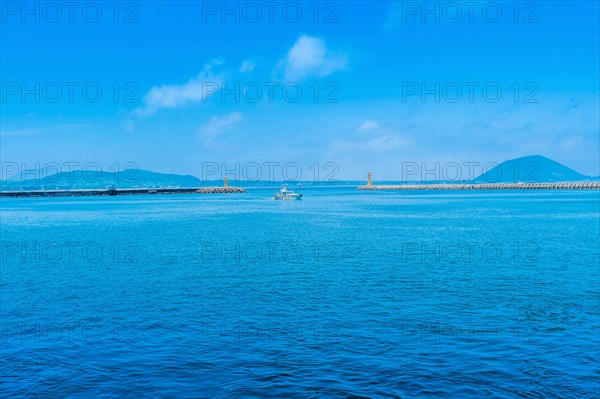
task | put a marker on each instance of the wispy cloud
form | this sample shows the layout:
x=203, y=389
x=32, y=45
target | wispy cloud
x=382, y=136
x=218, y=125
x=309, y=56
x=197, y=89
x=247, y=66
x=378, y=144
x=393, y=17
x=37, y=130
x=368, y=126
x=19, y=132
x=72, y=126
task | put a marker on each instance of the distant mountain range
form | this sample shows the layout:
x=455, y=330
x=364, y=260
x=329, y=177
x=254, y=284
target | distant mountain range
x=527, y=169
x=91, y=179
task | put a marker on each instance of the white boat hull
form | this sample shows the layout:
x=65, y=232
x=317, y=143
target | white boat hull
x=286, y=195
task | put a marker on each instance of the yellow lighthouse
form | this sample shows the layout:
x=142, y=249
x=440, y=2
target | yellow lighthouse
x=369, y=184
x=225, y=182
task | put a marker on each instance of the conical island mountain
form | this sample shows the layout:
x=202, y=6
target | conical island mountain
x=530, y=169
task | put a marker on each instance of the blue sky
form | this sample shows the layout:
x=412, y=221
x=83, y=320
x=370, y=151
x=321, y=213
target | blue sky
x=380, y=84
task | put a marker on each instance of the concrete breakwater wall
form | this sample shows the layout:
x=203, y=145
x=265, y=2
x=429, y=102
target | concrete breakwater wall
x=587, y=185
x=131, y=191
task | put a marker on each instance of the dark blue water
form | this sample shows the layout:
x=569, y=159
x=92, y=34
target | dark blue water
x=342, y=294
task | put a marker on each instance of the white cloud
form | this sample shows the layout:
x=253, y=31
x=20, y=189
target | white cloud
x=309, y=56
x=217, y=125
x=367, y=126
x=196, y=89
x=247, y=66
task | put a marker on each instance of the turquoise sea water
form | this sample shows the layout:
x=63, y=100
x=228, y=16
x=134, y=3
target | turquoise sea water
x=342, y=294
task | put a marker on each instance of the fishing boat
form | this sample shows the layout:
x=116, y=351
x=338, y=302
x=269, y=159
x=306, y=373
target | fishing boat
x=286, y=194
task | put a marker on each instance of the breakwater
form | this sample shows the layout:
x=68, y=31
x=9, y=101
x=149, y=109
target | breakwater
x=587, y=185
x=122, y=191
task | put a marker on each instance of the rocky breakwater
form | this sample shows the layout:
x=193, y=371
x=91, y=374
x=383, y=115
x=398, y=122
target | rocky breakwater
x=220, y=190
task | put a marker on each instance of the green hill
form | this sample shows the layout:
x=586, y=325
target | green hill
x=91, y=179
